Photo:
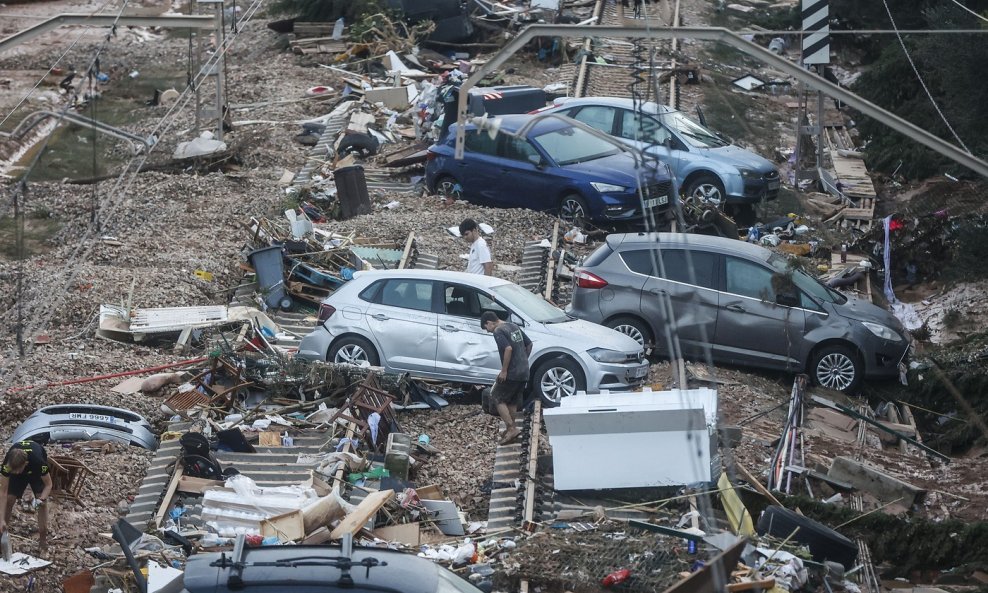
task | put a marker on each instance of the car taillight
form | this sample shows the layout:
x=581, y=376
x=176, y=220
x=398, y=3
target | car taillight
x=429, y=155
x=325, y=312
x=585, y=279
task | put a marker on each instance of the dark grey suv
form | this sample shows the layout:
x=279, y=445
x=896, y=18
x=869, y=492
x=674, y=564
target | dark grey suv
x=685, y=294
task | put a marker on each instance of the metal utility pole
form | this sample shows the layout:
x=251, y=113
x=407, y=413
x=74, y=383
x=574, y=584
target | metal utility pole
x=218, y=66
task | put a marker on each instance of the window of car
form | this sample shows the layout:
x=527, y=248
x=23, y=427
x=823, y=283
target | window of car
x=748, y=279
x=596, y=116
x=517, y=149
x=534, y=307
x=697, y=268
x=643, y=128
x=480, y=142
x=407, y=294
x=461, y=301
x=568, y=146
x=371, y=293
x=693, y=132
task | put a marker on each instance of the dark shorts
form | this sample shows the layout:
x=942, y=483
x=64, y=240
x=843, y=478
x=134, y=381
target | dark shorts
x=17, y=484
x=509, y=393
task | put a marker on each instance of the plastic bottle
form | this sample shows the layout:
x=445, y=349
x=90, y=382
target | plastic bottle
x=843, y=253
x=338, y=29
x=616, y=577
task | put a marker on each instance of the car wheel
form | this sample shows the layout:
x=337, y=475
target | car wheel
x=557, y=378
x=837, y=368
x=573, y=210
x=635, y=329
x=705, y=189
x=447, y=187
x=353, y=350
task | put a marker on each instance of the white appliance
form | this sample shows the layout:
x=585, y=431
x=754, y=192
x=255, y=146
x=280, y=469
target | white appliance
x=634, y=440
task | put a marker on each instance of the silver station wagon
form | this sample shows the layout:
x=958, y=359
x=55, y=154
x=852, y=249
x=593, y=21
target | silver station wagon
x=427, y=323
x=687, y=294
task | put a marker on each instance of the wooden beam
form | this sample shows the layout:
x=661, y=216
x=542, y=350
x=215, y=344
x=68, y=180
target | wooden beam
x=367, y=508
x=407, y=251
x=166, y=500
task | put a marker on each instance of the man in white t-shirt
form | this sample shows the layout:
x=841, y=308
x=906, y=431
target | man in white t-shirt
x=480, y=255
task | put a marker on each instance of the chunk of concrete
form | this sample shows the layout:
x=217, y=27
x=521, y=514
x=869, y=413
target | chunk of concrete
x=881, y=485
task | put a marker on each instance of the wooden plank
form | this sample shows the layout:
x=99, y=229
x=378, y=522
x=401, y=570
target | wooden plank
x=287, y=527
x=430, y=492
x=191, y=485
x=166, y=500
x=406, y=251
x=319, y=536
x=533, y=461
x=406, y=533
x=550, y=269
x=367, y=508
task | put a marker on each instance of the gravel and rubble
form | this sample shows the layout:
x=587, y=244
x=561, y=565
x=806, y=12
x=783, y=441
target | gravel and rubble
x=167, y=225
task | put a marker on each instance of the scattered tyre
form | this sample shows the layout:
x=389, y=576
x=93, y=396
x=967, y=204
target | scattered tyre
x=353, y=350
x=364, y=145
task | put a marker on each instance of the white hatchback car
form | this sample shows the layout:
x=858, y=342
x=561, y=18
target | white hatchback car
x=427, y=323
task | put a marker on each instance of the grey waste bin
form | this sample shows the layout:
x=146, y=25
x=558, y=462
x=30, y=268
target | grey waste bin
x=270, y=268
x=351, y=191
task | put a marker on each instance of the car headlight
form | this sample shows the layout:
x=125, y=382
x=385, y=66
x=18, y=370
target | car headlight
x=749, y=174
x=607, y=187
x=605, y=355
x=882, y=332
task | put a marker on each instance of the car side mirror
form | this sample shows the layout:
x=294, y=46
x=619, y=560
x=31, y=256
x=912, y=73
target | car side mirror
x=787, y=299
x=535, y=160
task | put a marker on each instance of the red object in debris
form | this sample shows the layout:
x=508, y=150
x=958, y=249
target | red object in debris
x=616, y=577
x=253, y=540
x=896, y=224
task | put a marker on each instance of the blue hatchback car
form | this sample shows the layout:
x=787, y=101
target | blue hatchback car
x=556, y=164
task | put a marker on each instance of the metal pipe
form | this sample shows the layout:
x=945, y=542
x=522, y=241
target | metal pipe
x=172, y=22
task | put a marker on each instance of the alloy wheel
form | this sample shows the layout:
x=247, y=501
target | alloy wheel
x=558, y=383
x=351, y=354
x=835, y=371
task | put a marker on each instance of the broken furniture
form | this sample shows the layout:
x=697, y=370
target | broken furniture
x=366, y=400
x=662, y=438
x=68, y=477
x=220, y=394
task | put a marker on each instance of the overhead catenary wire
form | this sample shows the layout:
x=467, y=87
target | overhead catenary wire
x=51, y=68
x=117, y=193
x=919, y=78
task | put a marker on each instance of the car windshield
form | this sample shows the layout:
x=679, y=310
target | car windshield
x=529, y=304
x=568, y=146
x=805, y=282
x=693, y=132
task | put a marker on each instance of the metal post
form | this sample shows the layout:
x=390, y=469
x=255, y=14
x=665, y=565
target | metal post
x=220, y=62
x=819, y=122
x=194, y=8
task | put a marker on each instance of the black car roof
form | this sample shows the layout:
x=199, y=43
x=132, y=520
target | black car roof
x=313, y=571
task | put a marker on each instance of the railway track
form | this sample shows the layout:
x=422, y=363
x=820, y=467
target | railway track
x=522, y=494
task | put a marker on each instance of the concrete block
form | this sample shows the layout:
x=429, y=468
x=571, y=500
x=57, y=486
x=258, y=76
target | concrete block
x=881, y=485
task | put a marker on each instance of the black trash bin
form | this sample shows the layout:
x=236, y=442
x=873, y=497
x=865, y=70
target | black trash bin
x=351, y=191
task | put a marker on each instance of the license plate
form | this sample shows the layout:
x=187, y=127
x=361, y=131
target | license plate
x=773, y=185
x=659, y=201
x=640, y=372
x=92, y=417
